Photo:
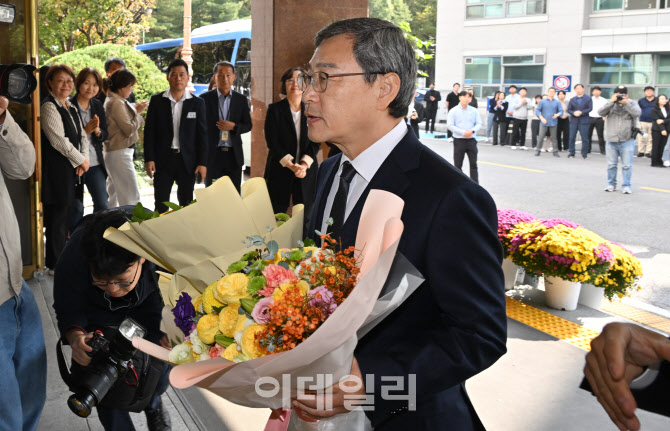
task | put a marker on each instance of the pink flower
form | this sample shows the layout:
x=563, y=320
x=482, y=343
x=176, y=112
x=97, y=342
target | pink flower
x=266, y=291
x=276, y=275
x=552, y=222
x=322, y=298
x=216, y=351
x=261, y=312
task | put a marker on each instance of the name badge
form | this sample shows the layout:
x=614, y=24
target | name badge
x=190, y=115
x=224, y=135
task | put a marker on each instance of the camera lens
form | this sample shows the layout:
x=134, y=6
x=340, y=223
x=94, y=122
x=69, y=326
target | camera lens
x=81, y=405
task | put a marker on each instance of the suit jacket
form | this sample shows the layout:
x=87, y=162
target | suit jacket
x=500, y=115
x=454, y=325
x=431, y=105
x=96, y=143
x=281, y=139
x=158, y=132
x=657, y=114
x=655, y=397
x=238, y=113
x=420, y=111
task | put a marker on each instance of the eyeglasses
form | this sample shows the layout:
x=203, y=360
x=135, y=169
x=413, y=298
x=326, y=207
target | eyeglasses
x=319, y=80
x=120, y=284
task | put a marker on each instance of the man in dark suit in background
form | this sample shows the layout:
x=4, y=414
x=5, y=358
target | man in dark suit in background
x=175, y=139
x=432, y=98
x=228, y=118
x=454, y=325
x=627, y=368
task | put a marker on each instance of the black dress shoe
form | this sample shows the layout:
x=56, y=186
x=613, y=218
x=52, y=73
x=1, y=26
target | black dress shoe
x=584, y=156
x=159, y=419
x=572, y=156
x=640, y=154
x=648, y=155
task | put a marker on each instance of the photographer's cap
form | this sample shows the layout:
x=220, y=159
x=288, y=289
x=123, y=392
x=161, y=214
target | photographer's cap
x=621, y=90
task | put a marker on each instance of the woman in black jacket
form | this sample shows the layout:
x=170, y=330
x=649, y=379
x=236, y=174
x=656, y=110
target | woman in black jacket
x=92, y=113
x=291, y=167
x=499, y=108
x=659, y=130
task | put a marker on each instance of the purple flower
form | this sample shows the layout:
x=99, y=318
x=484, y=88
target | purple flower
x=552, y=222
x=508, y=218
x=261, y=312
x=322, y=298
x=184, y=312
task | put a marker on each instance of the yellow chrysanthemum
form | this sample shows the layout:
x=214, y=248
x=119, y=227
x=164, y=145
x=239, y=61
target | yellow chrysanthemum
x=248, y=342
x=197, y=304
x=231, y=288
x=278, y=293
x=230, y=352
x=229, y=321
x=208, y=327
x=208, y=299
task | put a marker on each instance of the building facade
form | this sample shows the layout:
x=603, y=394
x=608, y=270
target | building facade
x=489, y=45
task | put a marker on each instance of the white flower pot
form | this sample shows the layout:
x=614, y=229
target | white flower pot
x=510, y=270
x=561, y=294
x=591, y=296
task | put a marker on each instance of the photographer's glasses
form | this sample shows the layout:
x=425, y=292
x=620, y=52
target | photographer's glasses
x=119, y=284
x=319, y=80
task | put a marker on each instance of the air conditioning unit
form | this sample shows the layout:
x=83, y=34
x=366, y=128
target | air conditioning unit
x=468, y=60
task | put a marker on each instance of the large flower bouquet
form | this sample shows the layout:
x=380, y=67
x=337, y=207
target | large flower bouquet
x=623, y=276
x=507, y=220
x=560, y=248
x=269, y=301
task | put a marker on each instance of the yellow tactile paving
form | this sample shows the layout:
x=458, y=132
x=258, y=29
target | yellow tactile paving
x=565, y=330
x=636, y=315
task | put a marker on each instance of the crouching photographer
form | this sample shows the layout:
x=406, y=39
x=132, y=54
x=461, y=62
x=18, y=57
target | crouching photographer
x=103, y=296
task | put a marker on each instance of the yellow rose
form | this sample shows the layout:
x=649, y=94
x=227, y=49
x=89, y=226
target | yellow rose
x=278, y=258
x=230, y=352
x=231, y=288
x=278, y=293
x=248, y=342
x=208, y=299
x=229, y=321
x=314, y=250
x=208, y=327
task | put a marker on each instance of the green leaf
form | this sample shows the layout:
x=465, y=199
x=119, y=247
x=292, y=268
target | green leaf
x=298, y=255
x=255, y=284
x=283, y=265
x=279, y=223
x=248, y=304
x=268, y=256
x=217, y=310
x=282, y=217
x=237, y=266
x=273, y=247
x=172, y=206
x=250, y=256
x=222, y=340
x=309, y=242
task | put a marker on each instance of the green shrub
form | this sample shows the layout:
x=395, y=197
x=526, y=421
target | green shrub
x=150, y=79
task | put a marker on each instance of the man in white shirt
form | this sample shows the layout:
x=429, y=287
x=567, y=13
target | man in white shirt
x=359, y=85
x=597, y=122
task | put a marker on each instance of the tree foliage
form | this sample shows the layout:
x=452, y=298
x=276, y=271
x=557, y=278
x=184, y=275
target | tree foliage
x=150, y=80
x=66, y=25
x=168, y=22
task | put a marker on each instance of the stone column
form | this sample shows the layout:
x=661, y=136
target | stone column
x=282, y=37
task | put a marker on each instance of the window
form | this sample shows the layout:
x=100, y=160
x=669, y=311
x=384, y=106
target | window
x=504, y=8
x=483, y=70
x=628, y=69
x=244, y=50
x=663, y=74
x=163, y=56
x=206, y=55
x=628, y=4
x=524, y=75
x=486, y=75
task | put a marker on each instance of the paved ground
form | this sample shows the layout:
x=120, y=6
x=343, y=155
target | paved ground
x=534, y=387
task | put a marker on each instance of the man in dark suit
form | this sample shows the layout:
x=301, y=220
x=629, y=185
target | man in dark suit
x=627, y=368
x=432, y=98
x=454, y=325
x=228, y=118
x=175, y=139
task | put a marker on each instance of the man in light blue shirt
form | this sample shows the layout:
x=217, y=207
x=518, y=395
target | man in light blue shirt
x=463, y=121
x=548, y=110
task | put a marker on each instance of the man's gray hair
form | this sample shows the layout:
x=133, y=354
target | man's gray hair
x=379, y=46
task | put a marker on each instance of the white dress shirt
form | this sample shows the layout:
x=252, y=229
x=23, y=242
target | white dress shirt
x=366, y=164
x=597, y=104
x=177, y=106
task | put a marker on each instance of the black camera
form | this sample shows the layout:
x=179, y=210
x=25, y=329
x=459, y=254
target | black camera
x=17, y=82
x=620, y=97
x=635, y=131
x=111, y=360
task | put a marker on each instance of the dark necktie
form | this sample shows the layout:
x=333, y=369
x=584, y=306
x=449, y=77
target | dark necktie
x=339, y=207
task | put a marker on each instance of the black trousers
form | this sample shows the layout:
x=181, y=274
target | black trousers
x=499, y=130
x=658, y=142
x=534, y=131
x=599, y=124
x=57, y=219
x=563, y=134
x=430, y=119
x=462, y=147
x=224, y=165
x=165, y=176
x=519, y=132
